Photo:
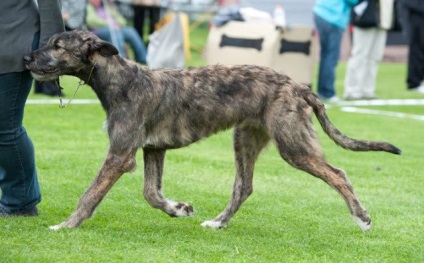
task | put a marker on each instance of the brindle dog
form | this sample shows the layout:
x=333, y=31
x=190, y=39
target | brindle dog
x=161, y=109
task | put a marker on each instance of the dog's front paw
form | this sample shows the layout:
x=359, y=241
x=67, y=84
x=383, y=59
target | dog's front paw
x=179, y=209
x=65, y=224
x=213, y=224
x=56, y=227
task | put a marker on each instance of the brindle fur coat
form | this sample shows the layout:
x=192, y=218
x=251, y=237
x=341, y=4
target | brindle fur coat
x=162, y=109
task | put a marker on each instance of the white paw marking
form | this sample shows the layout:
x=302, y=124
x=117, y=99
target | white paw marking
x=181, y=209
x=365, y=226
x=55, y=228
x=213, y=224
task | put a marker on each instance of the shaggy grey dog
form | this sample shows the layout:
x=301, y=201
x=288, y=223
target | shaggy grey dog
x=161, y=109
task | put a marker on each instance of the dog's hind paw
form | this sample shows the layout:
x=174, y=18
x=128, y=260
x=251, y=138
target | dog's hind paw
x=213, y=224
x=180, y=209
x=364, y=225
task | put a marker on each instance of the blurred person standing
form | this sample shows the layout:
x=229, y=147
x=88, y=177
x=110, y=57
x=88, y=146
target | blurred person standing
x=108, y=24
x=23, y=25
x=144, y=9
x=411, y=18
x=331, y=19
x=371, y=20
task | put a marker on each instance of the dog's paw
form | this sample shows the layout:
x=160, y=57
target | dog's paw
x=56, y=227
x=180, y=209
x=364, y=225
x=213, y=224
x=65, y=224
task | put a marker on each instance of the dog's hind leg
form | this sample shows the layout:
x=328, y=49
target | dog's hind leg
x=248, y=143
x=300, y=148
x=114, y=166
x=153, y=169
x=337, y=179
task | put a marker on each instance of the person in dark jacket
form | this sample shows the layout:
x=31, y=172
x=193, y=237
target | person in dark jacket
x=23, y=26
x=411, y=18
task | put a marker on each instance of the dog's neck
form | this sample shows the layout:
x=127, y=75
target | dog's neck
x=108, y=78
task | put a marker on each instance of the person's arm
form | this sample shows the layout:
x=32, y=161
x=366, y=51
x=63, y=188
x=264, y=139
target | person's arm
x=51, y=21
x=93, y=20
x=386, y=10
x=65, y=10
x=120, y=19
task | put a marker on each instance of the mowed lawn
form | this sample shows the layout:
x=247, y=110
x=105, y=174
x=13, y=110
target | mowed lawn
x=290, y=217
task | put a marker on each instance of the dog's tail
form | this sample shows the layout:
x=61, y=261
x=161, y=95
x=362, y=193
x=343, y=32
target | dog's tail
x=339, y=138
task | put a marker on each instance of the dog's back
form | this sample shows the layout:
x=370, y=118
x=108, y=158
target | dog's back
x=197, y=102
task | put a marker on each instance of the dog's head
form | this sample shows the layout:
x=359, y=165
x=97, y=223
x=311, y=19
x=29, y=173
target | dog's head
x=68, y=53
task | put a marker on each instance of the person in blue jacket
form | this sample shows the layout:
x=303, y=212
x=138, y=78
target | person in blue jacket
x=331, y=19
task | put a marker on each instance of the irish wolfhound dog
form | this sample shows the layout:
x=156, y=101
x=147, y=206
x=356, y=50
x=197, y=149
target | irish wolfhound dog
x=160, y=109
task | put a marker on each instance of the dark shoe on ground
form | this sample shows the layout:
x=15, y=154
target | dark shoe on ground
x=33, y=211
x=48, y=88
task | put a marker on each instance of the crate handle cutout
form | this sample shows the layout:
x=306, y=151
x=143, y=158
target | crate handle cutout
x=298, y=47
x=227, y=41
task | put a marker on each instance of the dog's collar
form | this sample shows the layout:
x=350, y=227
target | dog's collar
x=80, y=83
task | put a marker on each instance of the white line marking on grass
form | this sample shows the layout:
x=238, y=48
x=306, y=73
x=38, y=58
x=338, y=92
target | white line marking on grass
x=384, y=113
x=351, y=106
x=56, y=101
x=394, y=102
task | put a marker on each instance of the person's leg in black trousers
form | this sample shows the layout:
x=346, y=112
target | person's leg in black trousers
x=139, y=16
x=416, y=54
x=140, y=13
x=154, y=16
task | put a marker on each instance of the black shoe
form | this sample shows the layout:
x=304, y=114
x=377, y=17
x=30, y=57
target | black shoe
x=33, y=211
x=48, y=88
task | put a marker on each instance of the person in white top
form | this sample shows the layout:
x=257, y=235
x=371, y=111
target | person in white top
x=371, y=20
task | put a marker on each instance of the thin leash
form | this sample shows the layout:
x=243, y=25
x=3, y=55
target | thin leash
x=80, y=83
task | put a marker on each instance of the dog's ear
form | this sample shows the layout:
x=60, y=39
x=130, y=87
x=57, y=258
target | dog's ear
x=105, y=48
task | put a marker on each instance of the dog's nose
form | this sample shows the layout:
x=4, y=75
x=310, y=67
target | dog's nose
x=27, y=59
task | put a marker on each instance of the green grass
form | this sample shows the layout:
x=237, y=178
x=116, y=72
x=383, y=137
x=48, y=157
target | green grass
x=291, y=216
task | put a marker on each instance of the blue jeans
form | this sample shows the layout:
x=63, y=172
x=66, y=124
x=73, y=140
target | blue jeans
x=125, y=35
x=18, y=176
x=330, y=38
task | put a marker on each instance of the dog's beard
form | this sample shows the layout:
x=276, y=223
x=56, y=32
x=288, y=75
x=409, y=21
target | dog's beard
x=45, y=74
x=43, y=77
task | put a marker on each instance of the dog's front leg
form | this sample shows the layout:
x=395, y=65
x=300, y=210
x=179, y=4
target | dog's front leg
x=114, y=166
x=153, y=169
